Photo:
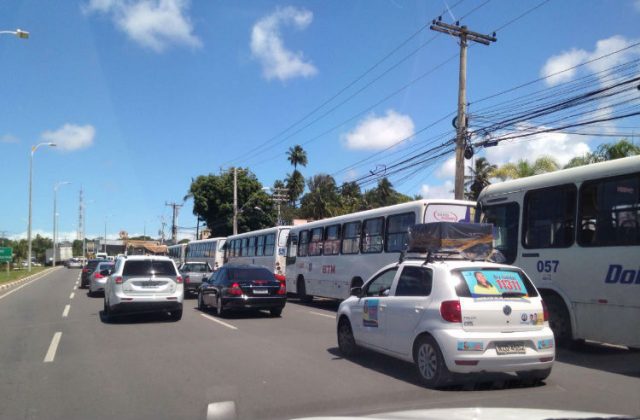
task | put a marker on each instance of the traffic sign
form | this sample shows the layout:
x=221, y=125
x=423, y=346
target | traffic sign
x=6, y=254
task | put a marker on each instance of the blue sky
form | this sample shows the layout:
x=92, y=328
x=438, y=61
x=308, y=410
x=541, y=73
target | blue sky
x=141, y=96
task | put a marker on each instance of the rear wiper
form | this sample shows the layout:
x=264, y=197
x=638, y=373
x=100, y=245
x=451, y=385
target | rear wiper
x=513, y=294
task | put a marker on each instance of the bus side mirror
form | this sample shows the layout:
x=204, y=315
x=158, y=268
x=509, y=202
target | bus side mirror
x=356, y=291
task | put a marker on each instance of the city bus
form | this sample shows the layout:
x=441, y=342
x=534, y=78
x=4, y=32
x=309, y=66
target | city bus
x=576, y=233
x=206, y=250
x=177, y=253
x=265, y=247
x=329, y=257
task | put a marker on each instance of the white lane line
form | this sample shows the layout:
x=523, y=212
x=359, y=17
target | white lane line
x=209, y=317
x=53, y=347
x=223, y=410
x=65, y=313
x=325, y=315
x=20, y=287
x=72, y=295
x=75, y=287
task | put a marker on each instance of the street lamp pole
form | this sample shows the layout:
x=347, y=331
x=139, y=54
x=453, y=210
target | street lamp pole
x=33, y=150
x=55, y=216
x=18, y=32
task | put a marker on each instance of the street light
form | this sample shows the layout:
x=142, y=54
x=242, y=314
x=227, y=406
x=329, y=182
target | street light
x=33, y=150
x=55, y=215
x=18, y=32
x=84, y=236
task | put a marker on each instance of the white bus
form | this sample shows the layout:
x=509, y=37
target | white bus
x=206, y=250
x=265, y=247
x=328, y=257
x=177, y=253
x=576, y=233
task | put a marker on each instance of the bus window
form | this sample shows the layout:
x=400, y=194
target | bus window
x=260, y=246
x=251, y=247
x=332, y=240
x=396, y=235
x=351, y=238
x=505, y=219
x=282, y=239
x=236, y=248
x=292, y=248
x=372, y=231
x=269, y=244
x=610, y=212
x=548, y=219
x=315, y=244
x=303, y=244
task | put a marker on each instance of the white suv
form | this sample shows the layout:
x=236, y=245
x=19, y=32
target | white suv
x=450, y=316
x=144, y=284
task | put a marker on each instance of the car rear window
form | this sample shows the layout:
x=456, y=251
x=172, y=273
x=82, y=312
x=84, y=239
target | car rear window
x=195, y=268
x=483, y=282
x=148, y=268
x=249, y=274
x=104, y=266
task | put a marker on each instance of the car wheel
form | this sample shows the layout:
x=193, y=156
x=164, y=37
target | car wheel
x=275, y=312
x=432, y=370
x=346, y=341
x=302, y=291
x=106, y=312
x=219, y=309
x=534, y=377
x=200, y=302
x=176, y=315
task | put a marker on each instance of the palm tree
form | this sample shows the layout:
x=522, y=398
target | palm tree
x=322, y=200
x=479, y=178
x=297, y=156
x=523, y=168
x=607, y=151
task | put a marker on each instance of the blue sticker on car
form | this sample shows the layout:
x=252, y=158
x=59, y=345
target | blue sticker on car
x=370, y=313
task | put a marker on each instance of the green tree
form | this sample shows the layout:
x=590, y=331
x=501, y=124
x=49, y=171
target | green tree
x=297, y=156
x=523, y=168
x=322, y=200
x=294, y=186
x=383, y=195
x=39, y=246
x=478, y=178
x=350, y=197
x=607, y=151
x=77, y=247
x=213, y=202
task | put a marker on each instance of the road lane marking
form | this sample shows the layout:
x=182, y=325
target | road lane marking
x=75, y=287
x=223, y=410
x=65, y=313
x=72, y=295
x=53, y=347
x=318, y=313
x=209, y=317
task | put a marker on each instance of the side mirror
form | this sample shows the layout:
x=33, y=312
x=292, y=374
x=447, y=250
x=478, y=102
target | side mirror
x=356, y=291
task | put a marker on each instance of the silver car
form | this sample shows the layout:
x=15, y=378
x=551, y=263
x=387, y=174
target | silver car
x=98, y=278
x=193, y=273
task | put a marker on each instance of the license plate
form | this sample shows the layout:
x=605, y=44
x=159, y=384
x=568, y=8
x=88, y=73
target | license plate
x=260, y=292
x=515, y=347
x=150, y=284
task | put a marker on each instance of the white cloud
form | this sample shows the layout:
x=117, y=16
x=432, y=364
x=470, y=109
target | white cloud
x=154, y=24
x=71, y=137
x=566, y=60
x=438, y=191
x=560, y=146
x=374, y=133
x=447, y=169
x=9, y=138
x=267, y=46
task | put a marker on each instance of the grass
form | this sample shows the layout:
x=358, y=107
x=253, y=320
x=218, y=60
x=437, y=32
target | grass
x=17, y=274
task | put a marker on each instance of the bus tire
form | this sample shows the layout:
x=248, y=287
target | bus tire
x=559, y=320
x=302, y=291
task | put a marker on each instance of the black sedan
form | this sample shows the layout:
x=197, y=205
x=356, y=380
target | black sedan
x=237, y=286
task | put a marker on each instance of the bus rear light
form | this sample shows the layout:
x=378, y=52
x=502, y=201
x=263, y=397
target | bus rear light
x=118, y=280
x=280, y=277
x=450, y=311
x=234, y=290
x=545, y=311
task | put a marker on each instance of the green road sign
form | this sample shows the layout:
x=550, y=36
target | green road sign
x=6, y=254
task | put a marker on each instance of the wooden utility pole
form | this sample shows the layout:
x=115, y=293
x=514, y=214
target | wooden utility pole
x=235, y=201
x=174, y=218
x=465, y=35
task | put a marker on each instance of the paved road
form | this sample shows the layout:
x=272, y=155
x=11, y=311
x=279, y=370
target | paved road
x=150, y=367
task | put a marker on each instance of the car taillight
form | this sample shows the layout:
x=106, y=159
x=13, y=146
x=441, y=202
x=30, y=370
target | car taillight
x=84, y=270
x=450, y=311
x=283, y=288
x=186, y=279
x=280, y=277
x=234, y=290
x=99, y=276
x=179, y=279
x=118, y=280
x=545, y=311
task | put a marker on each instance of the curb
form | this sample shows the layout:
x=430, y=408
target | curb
x=31, y=277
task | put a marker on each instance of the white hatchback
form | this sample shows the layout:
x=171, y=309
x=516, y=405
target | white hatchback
x=450, y=316
x=144, y=284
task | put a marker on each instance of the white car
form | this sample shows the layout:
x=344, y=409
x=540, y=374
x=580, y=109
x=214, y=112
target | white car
x=450, y=316
x=99, y=276
x=144, y=284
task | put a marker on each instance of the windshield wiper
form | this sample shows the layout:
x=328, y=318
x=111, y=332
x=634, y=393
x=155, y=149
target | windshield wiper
x=513, y=294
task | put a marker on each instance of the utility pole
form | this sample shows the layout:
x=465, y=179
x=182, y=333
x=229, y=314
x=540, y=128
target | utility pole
x=174, y=228
x=465, y=35
x=279, y=196
x=235, y=201
x=161, y=232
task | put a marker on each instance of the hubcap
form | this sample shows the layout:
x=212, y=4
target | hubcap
x=427, y=361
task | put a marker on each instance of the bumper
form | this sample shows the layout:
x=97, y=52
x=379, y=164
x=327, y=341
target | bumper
x=97, y=285
x=131, y=307
x=254, y=302
x=478, y=349
x=192, y=287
